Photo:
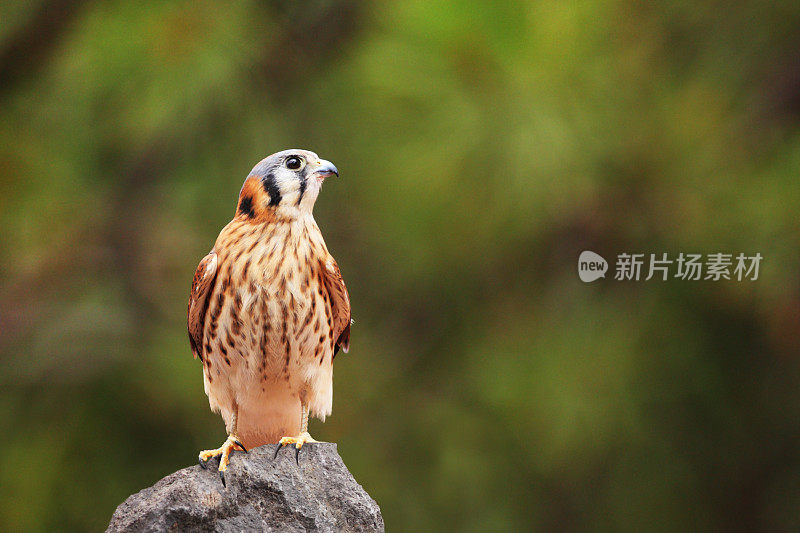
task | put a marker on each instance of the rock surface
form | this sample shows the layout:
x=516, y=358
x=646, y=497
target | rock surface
x=263, y=493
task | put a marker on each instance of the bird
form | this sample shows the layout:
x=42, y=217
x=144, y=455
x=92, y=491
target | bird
x=268, y=310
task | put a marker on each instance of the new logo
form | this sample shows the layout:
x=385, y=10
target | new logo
x=591, y=266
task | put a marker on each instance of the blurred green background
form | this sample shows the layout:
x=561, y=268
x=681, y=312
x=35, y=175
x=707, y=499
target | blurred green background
x=482, y=146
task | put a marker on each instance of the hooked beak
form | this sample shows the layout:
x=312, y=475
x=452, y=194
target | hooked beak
x=326, y=169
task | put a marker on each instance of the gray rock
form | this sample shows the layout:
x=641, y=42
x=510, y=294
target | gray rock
x=263, y=493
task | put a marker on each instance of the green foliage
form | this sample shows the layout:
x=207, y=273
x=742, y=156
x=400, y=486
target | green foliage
x=482, y=147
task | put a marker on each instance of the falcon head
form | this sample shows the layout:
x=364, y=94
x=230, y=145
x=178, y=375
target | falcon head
x=287, y=181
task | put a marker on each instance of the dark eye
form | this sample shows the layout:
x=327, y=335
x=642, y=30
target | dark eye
x=294, y=162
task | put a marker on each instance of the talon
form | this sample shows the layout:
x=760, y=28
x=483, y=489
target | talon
x=277, y=449
x=224, y=453
x=298, y=442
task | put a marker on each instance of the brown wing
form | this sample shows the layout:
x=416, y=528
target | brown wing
x=204, y=278
x=340, y=305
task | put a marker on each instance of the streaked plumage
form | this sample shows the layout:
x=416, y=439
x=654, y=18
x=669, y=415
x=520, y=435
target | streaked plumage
x=268, y=308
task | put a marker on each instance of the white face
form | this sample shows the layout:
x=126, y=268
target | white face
x=293, y=178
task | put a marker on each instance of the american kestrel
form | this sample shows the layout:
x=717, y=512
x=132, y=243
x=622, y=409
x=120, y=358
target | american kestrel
x=268, y=309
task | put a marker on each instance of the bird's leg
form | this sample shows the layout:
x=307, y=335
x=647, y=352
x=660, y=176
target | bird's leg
x=224, y=451
x=303, y=437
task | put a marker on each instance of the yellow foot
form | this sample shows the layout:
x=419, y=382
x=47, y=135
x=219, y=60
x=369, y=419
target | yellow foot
x=224, y=451
x=298, y=442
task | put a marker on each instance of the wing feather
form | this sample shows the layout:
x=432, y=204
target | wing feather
x=340, y=304
x=203, y=281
